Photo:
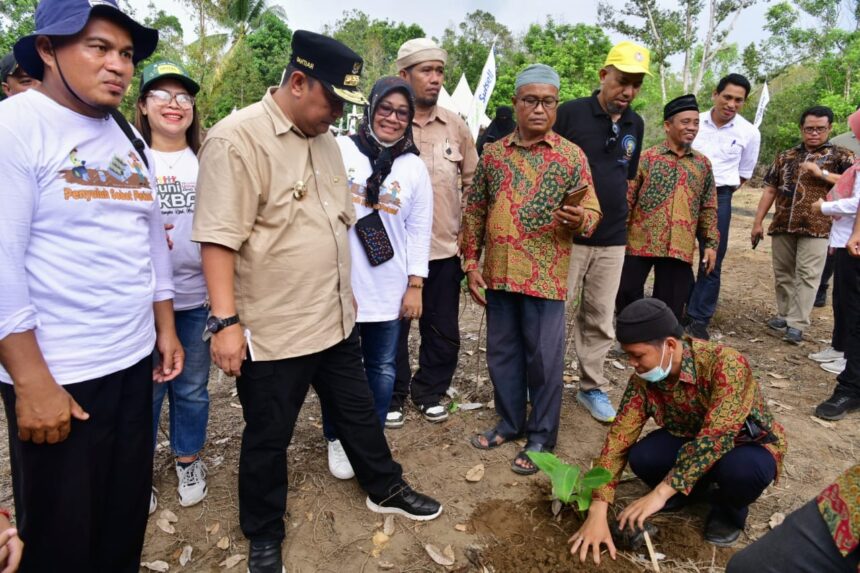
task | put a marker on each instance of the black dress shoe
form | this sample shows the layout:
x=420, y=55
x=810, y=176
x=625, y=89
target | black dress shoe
x=407, y=502
x=265, y=557
x=835, y=407
x=720, y=530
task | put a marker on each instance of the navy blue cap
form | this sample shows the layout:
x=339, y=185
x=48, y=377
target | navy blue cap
x=67, y=18
x=8, y=66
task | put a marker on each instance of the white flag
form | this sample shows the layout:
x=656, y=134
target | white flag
x=482, y=93
x=763, y=100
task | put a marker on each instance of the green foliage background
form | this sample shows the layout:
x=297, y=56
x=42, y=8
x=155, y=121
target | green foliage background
x=810, y=56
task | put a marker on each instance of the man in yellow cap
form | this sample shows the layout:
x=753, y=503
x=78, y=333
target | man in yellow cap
x=611, y=134
x=449, y=152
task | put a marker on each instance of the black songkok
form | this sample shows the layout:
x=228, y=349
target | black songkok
x=645, y=320
x=679, y=104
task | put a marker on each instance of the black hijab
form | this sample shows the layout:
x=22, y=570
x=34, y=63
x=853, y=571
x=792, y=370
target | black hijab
x=382, y=157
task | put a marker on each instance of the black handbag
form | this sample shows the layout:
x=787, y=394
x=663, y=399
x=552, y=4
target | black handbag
x=371, y=232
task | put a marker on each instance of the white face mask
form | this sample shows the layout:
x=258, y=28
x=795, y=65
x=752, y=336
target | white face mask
x=658, y=373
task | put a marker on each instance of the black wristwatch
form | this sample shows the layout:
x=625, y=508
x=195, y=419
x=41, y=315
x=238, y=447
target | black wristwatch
x=215, y=324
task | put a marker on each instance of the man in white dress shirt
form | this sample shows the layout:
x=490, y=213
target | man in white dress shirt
x=731, y=143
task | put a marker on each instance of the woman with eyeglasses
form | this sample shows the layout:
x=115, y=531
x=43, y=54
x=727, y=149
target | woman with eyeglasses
x=167, y=118
x=390, y=241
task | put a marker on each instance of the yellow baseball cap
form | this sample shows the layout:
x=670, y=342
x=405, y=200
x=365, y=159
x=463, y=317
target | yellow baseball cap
x=629, y=57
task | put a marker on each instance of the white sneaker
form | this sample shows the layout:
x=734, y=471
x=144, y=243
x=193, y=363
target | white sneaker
x=153, y=502
x=192, y=483
x=338, y=463
x=829, y=354
x=836, y=366
x=395, y=418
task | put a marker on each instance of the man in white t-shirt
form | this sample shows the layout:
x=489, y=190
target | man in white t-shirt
x=731, y=143
x=87, y=294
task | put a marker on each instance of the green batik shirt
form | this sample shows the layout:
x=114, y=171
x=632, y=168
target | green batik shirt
x=709, y=402
x=672, y=201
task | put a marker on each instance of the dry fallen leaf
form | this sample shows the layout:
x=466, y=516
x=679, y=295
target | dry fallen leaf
x=385, y=565
x=169, y=516
x=618, y=365
x=388, y=527
x=185, y=557
x=776, y=519
x=469, y=352
x=444, y=557
x=476, y=473
x=223, y=543
x=221, y=441
x=821, y=422
x=213, y=528
x=232, y=561
x=461, y=527
x=779, y=405
x=165, y=526
x=556, y=507
x=570, y=379
x=380, y=540
x=780, y=384
x=754, y=340
x=777, y=375
x=160, y=566
x=491, y=404
x=235, y=405
x=471, y=406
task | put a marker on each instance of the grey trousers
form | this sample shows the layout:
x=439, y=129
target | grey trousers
x=525, y=355
x=802, y=544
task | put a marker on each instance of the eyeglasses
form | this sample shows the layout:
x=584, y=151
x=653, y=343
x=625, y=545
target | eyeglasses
x=612, y=140
x=813, y=129
x=532, y=102
x=164, y=97
x=385, y=109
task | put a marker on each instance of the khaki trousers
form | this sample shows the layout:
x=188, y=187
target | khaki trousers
x=595, y=273
x=798, y=262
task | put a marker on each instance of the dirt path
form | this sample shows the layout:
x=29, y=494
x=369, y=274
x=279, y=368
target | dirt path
x=507, y=521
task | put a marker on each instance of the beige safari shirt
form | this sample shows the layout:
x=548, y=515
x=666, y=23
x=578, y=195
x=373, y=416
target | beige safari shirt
x=449, y=153
x=292, y=270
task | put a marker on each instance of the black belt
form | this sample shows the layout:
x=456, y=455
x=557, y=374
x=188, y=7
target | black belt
x=726, y=187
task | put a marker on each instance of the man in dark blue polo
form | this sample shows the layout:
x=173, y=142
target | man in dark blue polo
x=610, y=133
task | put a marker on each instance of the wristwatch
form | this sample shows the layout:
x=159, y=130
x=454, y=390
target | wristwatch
x=215, y=324
x=825, y=174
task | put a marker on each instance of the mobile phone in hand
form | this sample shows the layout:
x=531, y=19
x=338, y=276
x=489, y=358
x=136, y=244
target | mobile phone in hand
x=756, y=241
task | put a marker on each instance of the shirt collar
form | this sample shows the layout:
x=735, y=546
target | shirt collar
x=710, y=120
x=598, y=111
x=802, y=148
x=279, y=119
x=434, y=116
x=550, y=138
x=664, y=149
x=688, y=363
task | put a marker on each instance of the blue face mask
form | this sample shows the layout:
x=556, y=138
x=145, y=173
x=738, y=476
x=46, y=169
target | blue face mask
x=658, y=373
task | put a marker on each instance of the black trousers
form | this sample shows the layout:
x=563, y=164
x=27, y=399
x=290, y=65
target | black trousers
x=740, y=476
x=440, y=338
x=846, y=314
x=673, y=281
x=802, y=544
x=82, y=504
x=272, y=394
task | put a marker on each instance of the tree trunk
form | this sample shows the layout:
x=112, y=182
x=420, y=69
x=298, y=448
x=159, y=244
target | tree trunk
x=688, y=47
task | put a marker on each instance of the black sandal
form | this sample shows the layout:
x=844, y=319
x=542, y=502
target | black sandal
x=491, y=437
x=522, y=456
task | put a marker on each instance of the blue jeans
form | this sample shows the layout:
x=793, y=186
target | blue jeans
x=188, y=393
x=703, y=299
x=379, y=353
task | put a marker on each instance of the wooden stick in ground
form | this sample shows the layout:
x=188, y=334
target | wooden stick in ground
x=651, y=551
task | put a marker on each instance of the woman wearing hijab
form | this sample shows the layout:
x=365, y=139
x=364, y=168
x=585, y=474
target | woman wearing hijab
x=841, y=204
x=502, y=125
x=167, y=118
x=390, y=242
